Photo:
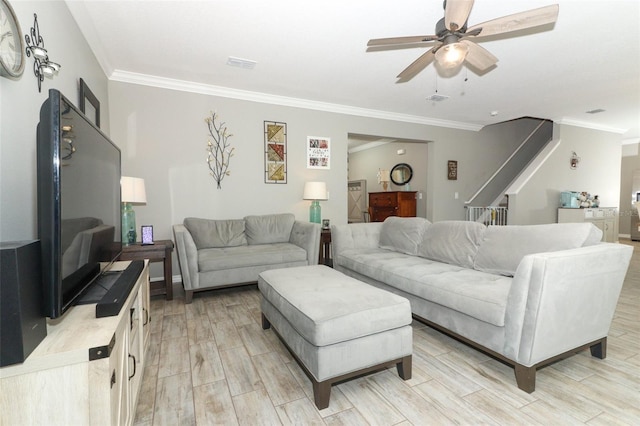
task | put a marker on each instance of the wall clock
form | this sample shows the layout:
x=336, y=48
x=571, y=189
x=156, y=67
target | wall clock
x=12, y=56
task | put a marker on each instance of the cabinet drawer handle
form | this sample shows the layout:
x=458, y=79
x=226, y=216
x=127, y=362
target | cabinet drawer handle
x=134, y=366
x=146, y=316
x=113, y=378
x=132, y=312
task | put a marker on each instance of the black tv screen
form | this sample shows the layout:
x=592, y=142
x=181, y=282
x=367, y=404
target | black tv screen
x=79, y=217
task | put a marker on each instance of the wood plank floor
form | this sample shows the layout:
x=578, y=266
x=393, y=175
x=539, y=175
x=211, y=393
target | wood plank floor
x=211, y=363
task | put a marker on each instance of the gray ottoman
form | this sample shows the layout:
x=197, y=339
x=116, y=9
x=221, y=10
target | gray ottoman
x=336, y=326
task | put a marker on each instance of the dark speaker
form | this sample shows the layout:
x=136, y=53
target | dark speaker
x=22, y=323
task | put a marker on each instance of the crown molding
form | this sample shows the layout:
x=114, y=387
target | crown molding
x=593, y=126
x=226, y=92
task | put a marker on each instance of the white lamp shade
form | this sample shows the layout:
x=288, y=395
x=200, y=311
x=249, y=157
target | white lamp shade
x=315, y=191
x=385, y=176
x=133, y=190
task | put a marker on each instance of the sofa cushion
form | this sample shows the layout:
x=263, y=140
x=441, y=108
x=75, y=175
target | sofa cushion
x=454, y=242
x=217, y=259
x=403, y=234
x=271, y=228
x=477, y=294
x=503, y=247
x=208, y=233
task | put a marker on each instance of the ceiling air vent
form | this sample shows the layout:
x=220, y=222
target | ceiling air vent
x=241, y=63
x=595, y=111
x=437, y=98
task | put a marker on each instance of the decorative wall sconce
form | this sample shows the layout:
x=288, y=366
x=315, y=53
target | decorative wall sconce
x=35, y=46
x=574, y=161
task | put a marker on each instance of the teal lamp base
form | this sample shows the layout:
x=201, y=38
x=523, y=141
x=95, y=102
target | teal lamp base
x=314, y=212
x=128, y=225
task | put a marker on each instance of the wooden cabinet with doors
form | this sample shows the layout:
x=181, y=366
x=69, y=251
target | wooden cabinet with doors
x=605, y=218
x=87, y=371
x=391, y=203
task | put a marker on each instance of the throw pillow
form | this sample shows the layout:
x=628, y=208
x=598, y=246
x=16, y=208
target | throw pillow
x=452, y=241
x=209, y=233
x=402, y=234
x=503, y=247
x=269, y=229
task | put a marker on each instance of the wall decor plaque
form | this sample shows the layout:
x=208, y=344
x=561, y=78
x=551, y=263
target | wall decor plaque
x=275, y=152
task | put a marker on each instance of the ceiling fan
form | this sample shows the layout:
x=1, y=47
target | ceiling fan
x=455, y=43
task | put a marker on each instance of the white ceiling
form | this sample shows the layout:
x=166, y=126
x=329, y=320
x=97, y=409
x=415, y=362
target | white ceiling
x=316, y=51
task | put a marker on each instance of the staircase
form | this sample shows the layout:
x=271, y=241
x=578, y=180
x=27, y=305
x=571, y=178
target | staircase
x=489, y=205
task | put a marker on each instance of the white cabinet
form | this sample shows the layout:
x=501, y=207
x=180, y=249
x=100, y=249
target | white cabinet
x=86, y=371
x=605, y=218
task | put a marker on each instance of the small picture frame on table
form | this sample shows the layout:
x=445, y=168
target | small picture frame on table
x=147, y=234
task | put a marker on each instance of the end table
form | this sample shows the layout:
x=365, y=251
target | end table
x=156, y=252
x=325, y=248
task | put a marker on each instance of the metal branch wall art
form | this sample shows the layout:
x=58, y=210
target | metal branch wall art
x=218, y=148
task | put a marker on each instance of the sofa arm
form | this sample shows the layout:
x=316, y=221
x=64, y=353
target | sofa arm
x=563, y=300
x=187, y=254
x=307, y=236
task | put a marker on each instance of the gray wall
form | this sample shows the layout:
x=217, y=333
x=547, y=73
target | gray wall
x=598, y=173
x=164, y=138
x=20, y=110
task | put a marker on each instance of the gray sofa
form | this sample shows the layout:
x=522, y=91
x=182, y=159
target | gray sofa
x=527, y=295
x=223, y=253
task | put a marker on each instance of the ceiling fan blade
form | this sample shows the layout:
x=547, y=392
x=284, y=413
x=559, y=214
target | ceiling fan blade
x=518, y=21
x=417, y=65
x=456, y=13
x=479, y=57
x=400, y=40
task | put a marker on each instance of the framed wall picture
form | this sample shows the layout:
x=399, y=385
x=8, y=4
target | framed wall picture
x=147, y=234
x=275, y=152
x=318, y=152
x=452, y=170
x=89, y=104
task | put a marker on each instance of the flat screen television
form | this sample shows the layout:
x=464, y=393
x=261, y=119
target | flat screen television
x=79, y=218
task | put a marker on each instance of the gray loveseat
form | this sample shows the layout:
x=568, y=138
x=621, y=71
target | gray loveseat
x=224, y=253
x=527, y=295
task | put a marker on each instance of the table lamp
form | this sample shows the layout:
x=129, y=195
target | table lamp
x=133, y=192
x=384, y=177
x=315, y=191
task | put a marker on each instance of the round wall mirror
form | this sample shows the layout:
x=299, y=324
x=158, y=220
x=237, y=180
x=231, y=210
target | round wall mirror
x=401, y=174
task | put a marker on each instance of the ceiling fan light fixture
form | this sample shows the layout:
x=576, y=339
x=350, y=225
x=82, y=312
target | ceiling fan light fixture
x=451, y=55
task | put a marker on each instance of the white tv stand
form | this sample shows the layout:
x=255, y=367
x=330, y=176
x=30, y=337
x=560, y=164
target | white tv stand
x=86, y=371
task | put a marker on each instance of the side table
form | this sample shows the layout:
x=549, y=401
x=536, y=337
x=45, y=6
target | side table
x=325, y=248
x=156, y=252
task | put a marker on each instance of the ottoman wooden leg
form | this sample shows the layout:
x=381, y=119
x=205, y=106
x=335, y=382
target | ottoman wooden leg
x=321, y=393
x=404, y=368
x=265, y=323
